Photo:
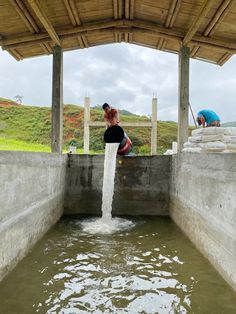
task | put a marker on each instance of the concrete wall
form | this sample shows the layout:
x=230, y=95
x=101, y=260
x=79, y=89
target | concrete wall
x=31, y=198
x=141, y=185
x=203, y=204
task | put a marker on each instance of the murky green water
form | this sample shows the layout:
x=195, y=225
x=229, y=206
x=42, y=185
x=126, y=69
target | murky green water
x=152, y=268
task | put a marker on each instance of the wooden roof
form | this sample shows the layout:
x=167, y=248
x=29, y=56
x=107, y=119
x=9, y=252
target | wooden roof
x=32, y=27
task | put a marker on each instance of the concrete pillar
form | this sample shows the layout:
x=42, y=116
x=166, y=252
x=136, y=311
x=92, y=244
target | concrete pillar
x=86, y=124
x=183, y=97
x=57, y=100
x=154, y=127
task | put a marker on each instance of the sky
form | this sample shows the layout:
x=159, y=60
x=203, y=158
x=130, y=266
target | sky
x=125, y=76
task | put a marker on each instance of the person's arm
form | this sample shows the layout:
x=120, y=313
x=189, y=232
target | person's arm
x=203, y=122
x=106, y=120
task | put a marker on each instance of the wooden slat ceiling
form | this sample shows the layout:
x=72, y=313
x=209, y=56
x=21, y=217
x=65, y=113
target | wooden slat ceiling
x=32, y=27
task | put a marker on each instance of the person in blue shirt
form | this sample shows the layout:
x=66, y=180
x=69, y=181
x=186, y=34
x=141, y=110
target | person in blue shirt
x=208, y=118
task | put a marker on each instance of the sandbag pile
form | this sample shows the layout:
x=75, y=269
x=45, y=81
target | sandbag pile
x=212, y=140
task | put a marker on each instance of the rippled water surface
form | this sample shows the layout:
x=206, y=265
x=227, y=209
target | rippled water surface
x=150, y=268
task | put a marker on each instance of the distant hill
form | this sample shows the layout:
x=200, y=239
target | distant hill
x=228, y=124
x=32, y=124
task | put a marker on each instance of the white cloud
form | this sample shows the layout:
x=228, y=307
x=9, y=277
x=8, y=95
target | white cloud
x=126, y=76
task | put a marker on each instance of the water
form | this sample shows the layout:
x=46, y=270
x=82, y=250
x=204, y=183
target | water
x=107, y=224
x=150, y=268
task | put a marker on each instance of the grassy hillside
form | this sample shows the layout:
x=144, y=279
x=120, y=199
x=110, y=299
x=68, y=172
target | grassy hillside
x=32, y=125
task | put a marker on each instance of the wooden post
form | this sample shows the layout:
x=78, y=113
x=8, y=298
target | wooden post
x=86, y=124
x=183, y=97
x=154, y=127
x=57, y=100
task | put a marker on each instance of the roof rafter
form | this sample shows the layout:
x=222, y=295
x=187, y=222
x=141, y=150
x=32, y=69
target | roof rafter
x=132, y=4
x=220, y=14
x=75, y=21
x=171, y=17
x=198, y=20
x=36, y=7
x=127, y=9
x=225, y=58
x=28, y=20
x=115, y=9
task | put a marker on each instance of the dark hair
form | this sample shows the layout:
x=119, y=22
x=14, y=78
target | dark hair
x=105, y=105
x=199, y=121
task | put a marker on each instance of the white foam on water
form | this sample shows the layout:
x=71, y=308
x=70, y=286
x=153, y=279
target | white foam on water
x=107, y=224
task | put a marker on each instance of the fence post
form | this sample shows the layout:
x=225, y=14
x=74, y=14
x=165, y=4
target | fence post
x=86, y=124
x=154, y=127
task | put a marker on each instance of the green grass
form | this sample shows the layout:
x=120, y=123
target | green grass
x=28, y=128
x=11, y=144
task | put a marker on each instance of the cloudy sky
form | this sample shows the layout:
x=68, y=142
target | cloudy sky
x=126, y=76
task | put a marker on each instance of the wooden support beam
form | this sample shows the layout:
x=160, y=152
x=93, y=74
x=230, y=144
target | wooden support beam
x=70, y=13
x=194, y=51
x=75, y=12
x=57, y=100
x=115, y=9
x=25, y=15
x=132, y=9
x=81, y=42
x=218, y=17
x=207, y=5
x=130, y=26
x=84, y=38
x=224, y=59
x=36, y=7
x=15, y=54
x=220, y=14
x=183, y=97
x=120, y=9
x=173, y=12
x=126, y=37
x=130, y=38
x=127, y=12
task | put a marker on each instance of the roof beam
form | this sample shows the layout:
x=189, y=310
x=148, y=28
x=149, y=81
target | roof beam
x=115, y=9
x=29, y=22
x=75, y=20
x=220, y=14
x=198, y=20
x=132, y=4
x=173, y=12
x=127, y=12
x=120, y=9
x=171, y=17
x=25, y=15
x=218, y=17
x=36, y=7
x=15, y=54
x=135, y=26
x=225, y=58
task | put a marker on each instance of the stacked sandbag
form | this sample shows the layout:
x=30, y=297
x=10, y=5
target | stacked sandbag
x=230, y=139
x=206, y=140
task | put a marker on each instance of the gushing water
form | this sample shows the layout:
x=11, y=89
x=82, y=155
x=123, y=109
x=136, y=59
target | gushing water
x=107, y=224
x=108, y=179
